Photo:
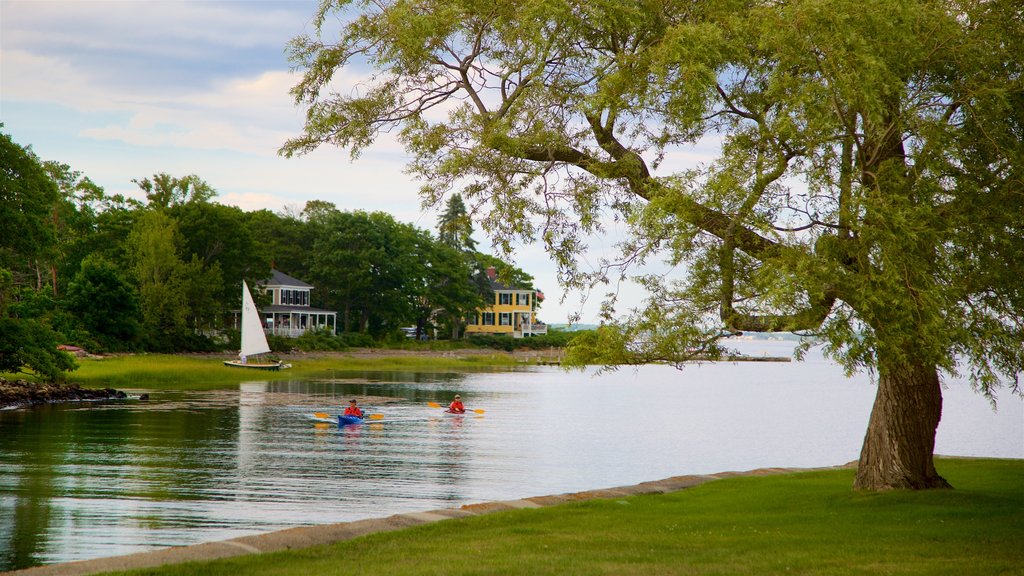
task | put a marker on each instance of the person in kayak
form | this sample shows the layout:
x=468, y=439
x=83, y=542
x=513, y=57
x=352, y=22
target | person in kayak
x=353, y=410
x=456, y=406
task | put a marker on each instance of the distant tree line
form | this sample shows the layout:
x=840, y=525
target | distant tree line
x=112, y=273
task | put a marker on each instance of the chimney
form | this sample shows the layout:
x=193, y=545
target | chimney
x=491, y=272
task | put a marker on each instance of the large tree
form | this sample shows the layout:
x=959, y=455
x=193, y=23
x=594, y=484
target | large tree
x=103, y=300
x=454, y=226
x=868, y=187
x=28, y=197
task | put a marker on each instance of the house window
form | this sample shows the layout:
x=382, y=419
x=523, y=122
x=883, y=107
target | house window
x=472, y=319
x=522, y=299
x=488, y=319
x=505, y=319
x=505, y=298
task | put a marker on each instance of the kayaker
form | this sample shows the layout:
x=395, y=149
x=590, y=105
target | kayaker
x=456, y=406
x=353, y=410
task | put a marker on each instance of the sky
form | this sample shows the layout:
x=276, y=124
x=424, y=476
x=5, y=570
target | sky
x=122, y=90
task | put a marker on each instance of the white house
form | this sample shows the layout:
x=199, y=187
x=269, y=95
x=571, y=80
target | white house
x=289, y=313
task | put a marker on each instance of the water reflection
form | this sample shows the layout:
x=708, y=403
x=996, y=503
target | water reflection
x=89, y=480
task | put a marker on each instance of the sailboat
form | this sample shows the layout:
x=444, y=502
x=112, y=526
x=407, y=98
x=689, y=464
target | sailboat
x=254, y=341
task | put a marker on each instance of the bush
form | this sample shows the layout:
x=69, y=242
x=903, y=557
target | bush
x=180, y=341
x=319, y=339
x=282, y=344
x=29, y=345
x=357, y=340
x=553, y=339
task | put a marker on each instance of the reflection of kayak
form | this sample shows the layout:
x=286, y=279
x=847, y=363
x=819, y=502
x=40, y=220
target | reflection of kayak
x=343, y=420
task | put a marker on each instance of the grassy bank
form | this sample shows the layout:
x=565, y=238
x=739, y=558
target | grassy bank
x=807, y=523
x=159, y=371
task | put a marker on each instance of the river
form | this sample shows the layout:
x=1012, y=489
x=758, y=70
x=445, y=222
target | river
x=89, y=480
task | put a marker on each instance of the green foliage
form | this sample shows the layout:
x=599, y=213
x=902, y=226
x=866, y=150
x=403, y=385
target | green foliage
x=855, y=195
x=454, y=226
x=178, y=341
x=202, y=227
x=319, y=339
x=29, y=345
x=357, y=340
x=127, y=276
x=280, y=344
x=176, y=297
x=105, y=303
x=867, y=189
x=553, y=339
x=165, y=191
x=27, y=198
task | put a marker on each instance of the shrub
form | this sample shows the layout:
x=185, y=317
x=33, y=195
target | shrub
x=319, y=339
x=356, y=340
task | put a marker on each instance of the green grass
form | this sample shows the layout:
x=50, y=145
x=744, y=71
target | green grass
x=162, y=371
x=805, y=523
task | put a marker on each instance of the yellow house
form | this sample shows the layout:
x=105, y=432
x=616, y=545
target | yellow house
x=512, y=312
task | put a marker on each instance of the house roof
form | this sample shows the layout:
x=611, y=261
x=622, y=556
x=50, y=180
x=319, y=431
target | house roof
x=278, y=278
x=492, y=276
x=287, y=309
x=496, y=285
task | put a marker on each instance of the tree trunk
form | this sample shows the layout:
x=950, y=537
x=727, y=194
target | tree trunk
x=900, y=440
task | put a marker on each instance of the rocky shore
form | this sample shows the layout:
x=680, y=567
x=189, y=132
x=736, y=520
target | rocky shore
x=22, y=393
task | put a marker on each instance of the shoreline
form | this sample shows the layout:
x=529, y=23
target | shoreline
x=196, y=369
x=15, y=394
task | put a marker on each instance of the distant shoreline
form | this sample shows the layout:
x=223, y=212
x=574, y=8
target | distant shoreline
x=205, y=370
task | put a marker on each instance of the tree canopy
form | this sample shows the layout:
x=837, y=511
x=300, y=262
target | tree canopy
x=109, y=273
x=867, y=188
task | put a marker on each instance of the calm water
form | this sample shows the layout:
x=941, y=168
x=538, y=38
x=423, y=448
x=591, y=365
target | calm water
x=90, y=480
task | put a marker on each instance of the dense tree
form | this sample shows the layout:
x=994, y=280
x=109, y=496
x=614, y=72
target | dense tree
x=27, y=200
x=27, y=247
x=27, y=345
x=165, y=191
x=281, y=241
x=74, y=220
x=868, y=188
x=218, y=237
x=454, y=226
x=158, y=271
x=105, y=303
x=454, y=287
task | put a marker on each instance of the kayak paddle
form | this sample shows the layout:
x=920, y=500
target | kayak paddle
x=369, y=416
x=436, y=405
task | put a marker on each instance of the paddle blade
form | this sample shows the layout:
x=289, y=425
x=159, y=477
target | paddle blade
x=433, y=404
x=478, y=411
x=321, y=414
x=376, y=416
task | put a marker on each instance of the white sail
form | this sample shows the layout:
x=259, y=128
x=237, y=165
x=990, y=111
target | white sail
x=254, y=341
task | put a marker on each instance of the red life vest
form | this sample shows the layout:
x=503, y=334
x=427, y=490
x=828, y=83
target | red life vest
x=456, y=407
x=353, y=411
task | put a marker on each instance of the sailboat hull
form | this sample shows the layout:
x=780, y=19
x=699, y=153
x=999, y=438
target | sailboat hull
x=257, y=365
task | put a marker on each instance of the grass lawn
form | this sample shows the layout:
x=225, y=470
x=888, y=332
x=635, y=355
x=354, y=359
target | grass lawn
x=806, y=523
x=183, y=372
